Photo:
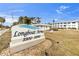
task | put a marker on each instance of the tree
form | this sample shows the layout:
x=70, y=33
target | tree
x=24, y=20
x=15, y=23
x=29, y=20
x=2, y=20
x=50, y=23
x=20, y=19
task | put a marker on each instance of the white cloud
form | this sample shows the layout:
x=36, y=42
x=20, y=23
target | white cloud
x=55, y=19
x=9, y=19
x=59, y=12
x=61, y=9
x=17, y=11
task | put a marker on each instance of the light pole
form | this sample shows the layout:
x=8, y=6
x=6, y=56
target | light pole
x=53, y=23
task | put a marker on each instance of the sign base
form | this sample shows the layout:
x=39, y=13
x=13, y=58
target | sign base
x=21, y=47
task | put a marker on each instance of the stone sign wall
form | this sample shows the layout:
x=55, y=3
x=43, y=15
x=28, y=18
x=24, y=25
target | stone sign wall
x=23, y=38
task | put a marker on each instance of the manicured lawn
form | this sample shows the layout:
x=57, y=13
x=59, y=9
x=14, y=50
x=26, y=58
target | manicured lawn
x=5, y=40
x=65, y=42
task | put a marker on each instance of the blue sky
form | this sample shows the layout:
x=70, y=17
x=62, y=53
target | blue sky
x=47, y=11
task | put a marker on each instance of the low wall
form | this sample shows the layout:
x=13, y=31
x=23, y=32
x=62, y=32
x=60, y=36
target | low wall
x=23, y=37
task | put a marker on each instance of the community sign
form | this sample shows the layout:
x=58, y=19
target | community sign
x=25, y=36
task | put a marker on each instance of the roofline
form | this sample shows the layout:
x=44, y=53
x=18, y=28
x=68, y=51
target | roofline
x=67, y=21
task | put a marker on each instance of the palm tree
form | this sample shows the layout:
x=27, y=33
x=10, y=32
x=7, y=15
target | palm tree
x=38, y=20
x=2, y=20
x=33, y=20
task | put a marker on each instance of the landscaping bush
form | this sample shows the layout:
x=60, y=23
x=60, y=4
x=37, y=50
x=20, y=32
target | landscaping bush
x=73, y=28
x=54, y=29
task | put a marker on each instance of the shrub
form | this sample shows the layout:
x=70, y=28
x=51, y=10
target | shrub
x=54, y=29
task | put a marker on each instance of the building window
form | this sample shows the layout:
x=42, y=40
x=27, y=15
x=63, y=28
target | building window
x=73, y=22
x=61, y=23
x=68, y=22
x=64, y=25
x=64, y=22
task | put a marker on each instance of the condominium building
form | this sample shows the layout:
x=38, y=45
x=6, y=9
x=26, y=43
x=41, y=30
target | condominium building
x=67, y=25
x=43, y=26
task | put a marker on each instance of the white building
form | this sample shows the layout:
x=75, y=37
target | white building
x=67, y=25
x=43, y=26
